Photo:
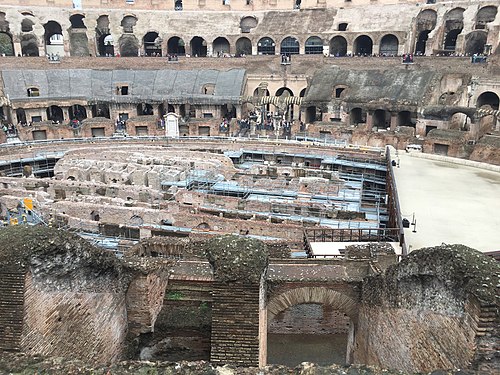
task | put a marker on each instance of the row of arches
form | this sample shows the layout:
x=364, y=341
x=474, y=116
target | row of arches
x=198, y=46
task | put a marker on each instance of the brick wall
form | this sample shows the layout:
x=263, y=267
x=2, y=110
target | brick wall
x=11, y=306
x=235, y=324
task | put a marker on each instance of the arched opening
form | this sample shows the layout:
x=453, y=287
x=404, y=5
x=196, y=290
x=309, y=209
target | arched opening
x=136, y=220
x=289, y=46
x=357, y=116
x=77, y=112
x=128, y=23
x=342, y=26
x=285, y=92
x=198, y=47
x=6, y=45
x=144, y=109
x=129, y=45
x=54, y=41
x=313, y=114
x=311, y=324
x=94, y=215
x=176, y=46
x=363, y=45
x=380, y=119
x=454, y=23
x=100, y=110
x=459, y=121
x=314, y=46
x=55, y=114
x=450, y=41
x=338, y=46
x=489, y=99
x=421, y=42
x=404, y=119
x=389, y=45
x=106, y=45
x=485, y=15
x=266, y=46
x=474, y=42
x=220, y=46
x=203, y=226
x=243, y=47
x=27, y=25
x=152, y=44
x=21, y=116
x=77, y=21
x=247, y=24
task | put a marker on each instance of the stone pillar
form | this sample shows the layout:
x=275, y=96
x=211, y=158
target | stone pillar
x=210, y=49
x=239, y=324
x=369, y=120
x=394, y=121
x=17, y=49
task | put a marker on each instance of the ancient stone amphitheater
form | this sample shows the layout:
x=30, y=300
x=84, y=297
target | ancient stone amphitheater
x=136, y=133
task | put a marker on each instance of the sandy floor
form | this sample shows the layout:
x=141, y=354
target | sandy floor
x=451, y=203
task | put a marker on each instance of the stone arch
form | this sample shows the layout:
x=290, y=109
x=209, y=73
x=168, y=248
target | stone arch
x=389, y=45
x=381, y=118
x=248, y=23
x=4, y=24
x=198, y=46
x=29, y=45
x=129, y=45
x=314, y=46
x=128, y=23
x=27, y=25
x=289, y=46
x=55, y=114
x=425, y=23
x=54, y=40
x=243, y=47
x=319, y=295
x=135, y=220
x=106, y=45
x=152, y=44
x=79, y=43
x=488, y=98
x=459, y=121
x=77, y=21
x=475, y=42
x=220, y=45
x=485, y=15
x=77, y=112
x=6, y=44
x=363, y=45
x=338, y=46
x=357, y=116
x=176, y=46
x=453, y=26
x=266, y=46
x=203, y=226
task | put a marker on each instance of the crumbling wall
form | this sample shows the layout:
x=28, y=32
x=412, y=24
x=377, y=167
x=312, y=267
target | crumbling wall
x=424, y=313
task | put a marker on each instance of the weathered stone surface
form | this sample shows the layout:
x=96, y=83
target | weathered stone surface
x=237, y=259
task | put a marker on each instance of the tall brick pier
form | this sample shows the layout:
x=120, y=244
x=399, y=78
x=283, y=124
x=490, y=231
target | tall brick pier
x=238, y=313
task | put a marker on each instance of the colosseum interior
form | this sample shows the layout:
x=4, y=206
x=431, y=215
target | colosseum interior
x=215, y=180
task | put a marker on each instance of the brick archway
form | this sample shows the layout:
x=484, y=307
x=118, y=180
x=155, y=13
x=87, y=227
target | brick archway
x=319, y=295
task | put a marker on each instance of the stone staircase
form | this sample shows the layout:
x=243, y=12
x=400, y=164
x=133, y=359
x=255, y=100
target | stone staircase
x=11, y=307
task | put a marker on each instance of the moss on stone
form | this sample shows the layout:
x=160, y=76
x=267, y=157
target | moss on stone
x=237, y=258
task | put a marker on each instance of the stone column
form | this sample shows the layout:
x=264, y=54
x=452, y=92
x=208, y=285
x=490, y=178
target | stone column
x=369, y=120
x=239, y=324
x=394, y=120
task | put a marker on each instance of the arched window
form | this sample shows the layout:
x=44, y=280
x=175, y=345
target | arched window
x=33, y=92
x=489, y=99
x=198, y=47
x=77, y=21
x=485, y=15
x=176, y=46
x=314, y=46
x=266, y=46
x=6, y=45
x=128, y=23
x=54, y=41
x=389, y=45
x=220, y=46
x=363, y=45
x=55, y=114
x=475, y=42
x=152, y=44
x=243, y=47
x=338, y=46
x=289, y=46
x=26, y=25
